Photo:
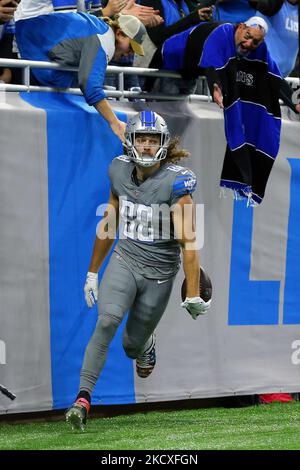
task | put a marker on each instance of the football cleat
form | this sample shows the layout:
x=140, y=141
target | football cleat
x=76, y=416
x=145, y=363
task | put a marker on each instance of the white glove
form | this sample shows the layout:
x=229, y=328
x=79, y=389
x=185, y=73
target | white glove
x=91, y=289
x=196, y=306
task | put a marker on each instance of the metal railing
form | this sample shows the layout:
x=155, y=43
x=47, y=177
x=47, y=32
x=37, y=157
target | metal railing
x=119, y=94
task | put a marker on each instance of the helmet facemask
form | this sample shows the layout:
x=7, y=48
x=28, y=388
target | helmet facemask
x=146, y=122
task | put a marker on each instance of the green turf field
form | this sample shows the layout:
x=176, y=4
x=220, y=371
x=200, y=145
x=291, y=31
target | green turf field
x=275, y=426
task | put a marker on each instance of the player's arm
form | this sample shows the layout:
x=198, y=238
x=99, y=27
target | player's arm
x=184, y=228
x=185, y=232
x=105, y=237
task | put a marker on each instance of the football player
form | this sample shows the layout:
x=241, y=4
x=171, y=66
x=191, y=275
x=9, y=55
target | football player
x=151, y=204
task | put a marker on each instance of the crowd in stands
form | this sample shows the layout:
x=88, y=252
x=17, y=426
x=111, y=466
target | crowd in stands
x=164, y=19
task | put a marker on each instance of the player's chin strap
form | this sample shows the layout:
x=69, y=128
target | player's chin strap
x=196, y=306
x=133, y=154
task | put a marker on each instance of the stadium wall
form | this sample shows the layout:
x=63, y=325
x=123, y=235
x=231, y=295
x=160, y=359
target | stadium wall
x=55, y=152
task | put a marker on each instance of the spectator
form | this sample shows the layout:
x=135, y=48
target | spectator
x=79, y=40
x=282, y=39
x=147, y=15
x=250, y=87
x=177, y=18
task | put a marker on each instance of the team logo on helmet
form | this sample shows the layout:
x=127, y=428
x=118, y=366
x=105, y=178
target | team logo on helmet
x=147, y=122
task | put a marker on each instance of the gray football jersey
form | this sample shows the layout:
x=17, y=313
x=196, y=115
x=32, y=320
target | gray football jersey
x=146, y=232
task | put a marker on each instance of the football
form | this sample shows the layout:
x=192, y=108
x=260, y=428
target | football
x=205, y=287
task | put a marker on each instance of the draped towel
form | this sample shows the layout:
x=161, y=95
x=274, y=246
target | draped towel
x=251, y=112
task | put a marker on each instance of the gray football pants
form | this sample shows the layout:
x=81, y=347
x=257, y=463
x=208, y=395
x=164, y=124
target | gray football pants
x=123, y=289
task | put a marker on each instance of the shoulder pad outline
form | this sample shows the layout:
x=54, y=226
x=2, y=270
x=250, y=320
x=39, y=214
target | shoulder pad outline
x=124, y=158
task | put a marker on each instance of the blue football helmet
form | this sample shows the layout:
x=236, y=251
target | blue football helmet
x=146, y=122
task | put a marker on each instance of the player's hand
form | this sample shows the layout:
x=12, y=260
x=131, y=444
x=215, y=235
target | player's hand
x=91, y=289
x=118, y=127
x=196, y=306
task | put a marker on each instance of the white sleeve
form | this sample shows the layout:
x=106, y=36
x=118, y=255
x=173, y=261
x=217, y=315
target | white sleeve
x=31, y=8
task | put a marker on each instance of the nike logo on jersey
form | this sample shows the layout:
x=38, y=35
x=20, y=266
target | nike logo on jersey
x=161, y=282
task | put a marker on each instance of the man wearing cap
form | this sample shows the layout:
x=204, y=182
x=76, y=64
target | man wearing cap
x=244, y=81
x=77, y=39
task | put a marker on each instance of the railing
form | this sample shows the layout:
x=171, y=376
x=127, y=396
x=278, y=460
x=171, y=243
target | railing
x=120, y=94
